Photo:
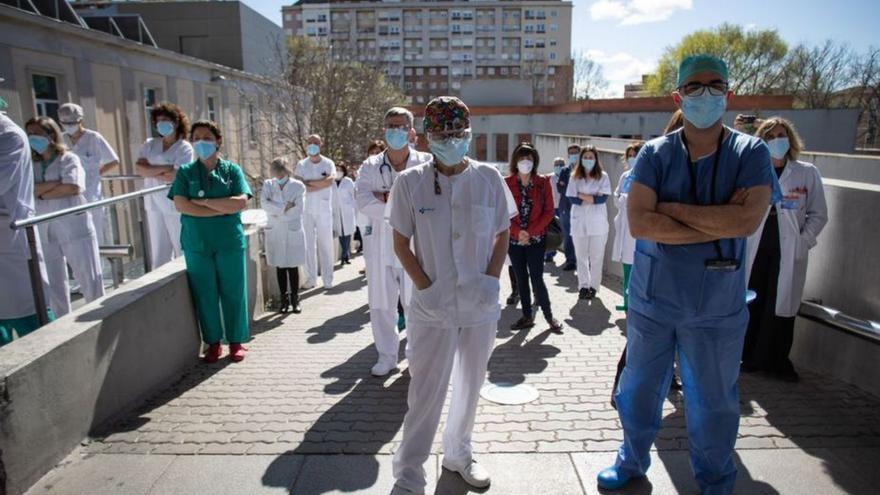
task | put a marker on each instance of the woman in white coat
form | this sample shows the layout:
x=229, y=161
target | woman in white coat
x=588, y=189
x=60, y=182
x=624, y=246
x=778, y=253
x=282, y=198
x=158, y=161
x=344, y=211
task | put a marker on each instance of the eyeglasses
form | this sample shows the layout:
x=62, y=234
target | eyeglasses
x=402, y=127
x=70, y=123
x=716, y=88
x=438, y=137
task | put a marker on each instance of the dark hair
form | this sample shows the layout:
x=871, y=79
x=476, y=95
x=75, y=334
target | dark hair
x=341, y=164
x=524, y=150
x=634, y=146
x=376, y=144
x=676, y=122
x=579, y=172
x=54, y=132
x=174, y=113
x=573, y=145
x=207, y=124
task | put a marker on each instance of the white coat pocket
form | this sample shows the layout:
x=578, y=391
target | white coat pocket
x=488, y=290
x=426, y=303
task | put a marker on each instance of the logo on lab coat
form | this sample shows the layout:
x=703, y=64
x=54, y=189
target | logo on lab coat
x=423, y=210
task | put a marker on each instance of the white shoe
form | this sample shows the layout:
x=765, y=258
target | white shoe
x=399, y=490
x=310, y=284
x=474, y=474
x=383, y=367
x=328, y=286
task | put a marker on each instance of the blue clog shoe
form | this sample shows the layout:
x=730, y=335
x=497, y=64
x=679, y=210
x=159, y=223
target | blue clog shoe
x=612, y=479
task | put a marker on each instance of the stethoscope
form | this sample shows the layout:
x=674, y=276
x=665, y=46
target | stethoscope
x=202, y=173
x=386, y=183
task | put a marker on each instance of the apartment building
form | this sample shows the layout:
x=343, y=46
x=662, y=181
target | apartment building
x=432, y=48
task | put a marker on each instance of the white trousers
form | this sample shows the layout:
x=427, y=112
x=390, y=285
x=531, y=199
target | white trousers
x=384, y=321
x=164, y=236
x=98, y=221
x=82, y=256
x=432, y=352
x=590, y=252
x=319, y=246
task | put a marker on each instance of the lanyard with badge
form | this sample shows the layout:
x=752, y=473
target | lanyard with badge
x=720, y=263
x=204, y=172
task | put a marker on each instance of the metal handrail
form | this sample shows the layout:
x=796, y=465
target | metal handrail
x=28, y=222
x=107, y=178
x=815, y=311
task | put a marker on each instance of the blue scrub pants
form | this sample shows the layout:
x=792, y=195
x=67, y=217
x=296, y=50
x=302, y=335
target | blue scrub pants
x=709, y=350
x=567, y=243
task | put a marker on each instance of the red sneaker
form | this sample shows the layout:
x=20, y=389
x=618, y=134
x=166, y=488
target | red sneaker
x=212, y=355
x=237, y=352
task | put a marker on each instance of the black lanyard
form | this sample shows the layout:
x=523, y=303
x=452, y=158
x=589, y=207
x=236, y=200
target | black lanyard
x=692, y=168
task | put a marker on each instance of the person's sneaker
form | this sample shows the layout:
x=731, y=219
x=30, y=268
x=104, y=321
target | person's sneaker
x=512, y=299
x=569, y=267
x=523, y=323
x=584, y=293
x=399, y=490
x=310, y=284
x=592, y=292
x=620, y=307
x=328, y=286
x=474, y=474
x=237, y=352
x=383, y=367
x=612, y=479
x=212, y=355
x=296, y=309
x=284, y=305
x=555, y=326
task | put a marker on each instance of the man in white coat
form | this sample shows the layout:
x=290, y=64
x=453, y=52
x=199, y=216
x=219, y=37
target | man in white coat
x=17, y=310
x=386, y=281
x=317, y=172
x=451, y=221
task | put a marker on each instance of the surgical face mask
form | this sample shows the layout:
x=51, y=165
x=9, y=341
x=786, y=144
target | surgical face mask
x=450, y=152
x=588, y=164
x=704, y=110
x=631, y=161
x=557, y=169
x=397, y=139
x=572, y=159
x=779, y=147
x=70, y=129
x=165, y=128
x=204, y=149
x=283, y=180
x=525, y=166
x=38, y=143
x=313, y=149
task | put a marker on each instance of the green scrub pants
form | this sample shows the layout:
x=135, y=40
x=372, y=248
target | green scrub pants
x=22, y=326
x=218, y=280
x=627, y=269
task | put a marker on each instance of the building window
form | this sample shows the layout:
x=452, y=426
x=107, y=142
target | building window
x=554, y=27
x=288, y=17
x=420, y=71
x=151, y=97
x=432, y=71
x=46, y=95
x=444, y=71
x=552, y=55
x=211, y=106
x=252, y=123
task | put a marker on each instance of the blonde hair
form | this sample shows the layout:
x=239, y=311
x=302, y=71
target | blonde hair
x=56, y=142
x=795, y=143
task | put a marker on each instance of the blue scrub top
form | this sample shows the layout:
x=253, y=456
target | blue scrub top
x=673, y=279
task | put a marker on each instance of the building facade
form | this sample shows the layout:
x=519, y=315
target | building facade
x=431, y=48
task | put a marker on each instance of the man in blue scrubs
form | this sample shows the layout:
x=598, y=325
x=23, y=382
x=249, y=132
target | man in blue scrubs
x=697, y=194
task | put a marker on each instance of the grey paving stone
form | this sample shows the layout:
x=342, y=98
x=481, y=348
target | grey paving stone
x=229, y=475
x=362, y=474
x=519, y=474
x=101, y=474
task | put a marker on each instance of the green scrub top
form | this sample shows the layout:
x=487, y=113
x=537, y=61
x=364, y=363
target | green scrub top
x=210, y=234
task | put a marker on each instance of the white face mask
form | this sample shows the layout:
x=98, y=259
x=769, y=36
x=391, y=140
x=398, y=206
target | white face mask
x=631, y=161
x=70, y=129
x=525, y=166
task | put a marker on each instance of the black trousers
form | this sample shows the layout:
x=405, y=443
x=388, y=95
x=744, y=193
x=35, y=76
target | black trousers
x=291, y=275
x=528, y=267
x=769, y=337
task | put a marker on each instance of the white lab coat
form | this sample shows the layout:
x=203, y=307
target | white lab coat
x=163, y=219
x=318, y=220
x=589, y=219
x=473, y=207
x=94, y=152
x=344, y=207
x=802, y=216
x=285, y=238
x=624, y=246
x=16, y=203
x=69, y=240
x=554, y=180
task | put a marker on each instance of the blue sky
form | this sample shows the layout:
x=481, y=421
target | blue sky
x=628, y=36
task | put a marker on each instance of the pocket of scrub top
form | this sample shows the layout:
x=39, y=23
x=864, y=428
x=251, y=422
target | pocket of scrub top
x=489, y=290
x=641, y=281
x=482, y=219
x=425, y=303
x=721, y=292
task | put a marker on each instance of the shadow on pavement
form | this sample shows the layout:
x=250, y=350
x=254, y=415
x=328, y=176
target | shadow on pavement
x=513, y=360
x=590, y=317
x=351, y=322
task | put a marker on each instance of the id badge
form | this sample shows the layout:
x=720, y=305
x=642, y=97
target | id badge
x=627, y=183
x=368, y=230
x=722, y=265
x=789, y=204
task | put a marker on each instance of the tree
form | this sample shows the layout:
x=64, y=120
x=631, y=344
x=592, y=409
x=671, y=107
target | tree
x=329, y=91
x=754, y=58
x=589, y=81
x=816, y=74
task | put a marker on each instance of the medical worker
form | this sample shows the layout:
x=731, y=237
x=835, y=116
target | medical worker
x=344, y=211
x=210, y=193
x=95, y=154
x=590, y=185
x=624, y=244
x=696, y=195
x=158, y=161
x=17, y=310
x=70, y=240
x=283, y=199
x=558, y=165
x=565, y=204
x=387, y=283
x=778, y=252
x=373, y=149
x=451, y=221
x=317, y=173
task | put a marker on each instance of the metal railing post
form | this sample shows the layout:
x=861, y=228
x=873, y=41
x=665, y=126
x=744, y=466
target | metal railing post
x=36, y=276
x=145, y=234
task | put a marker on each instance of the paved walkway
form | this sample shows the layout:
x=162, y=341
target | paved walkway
x=278, y=421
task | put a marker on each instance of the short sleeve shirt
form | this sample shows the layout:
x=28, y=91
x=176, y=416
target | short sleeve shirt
x=320, y=201
x=94, y=152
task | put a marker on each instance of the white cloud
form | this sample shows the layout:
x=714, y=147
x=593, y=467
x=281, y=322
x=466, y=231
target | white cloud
x=619, y=69
x=634, y=12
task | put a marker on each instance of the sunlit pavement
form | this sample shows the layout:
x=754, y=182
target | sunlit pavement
x=302, y=415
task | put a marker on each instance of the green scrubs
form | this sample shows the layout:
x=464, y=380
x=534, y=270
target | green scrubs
x=214, y=249
x=22, y=326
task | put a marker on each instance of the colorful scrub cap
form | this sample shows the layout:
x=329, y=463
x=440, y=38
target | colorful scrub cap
x=446, y=113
